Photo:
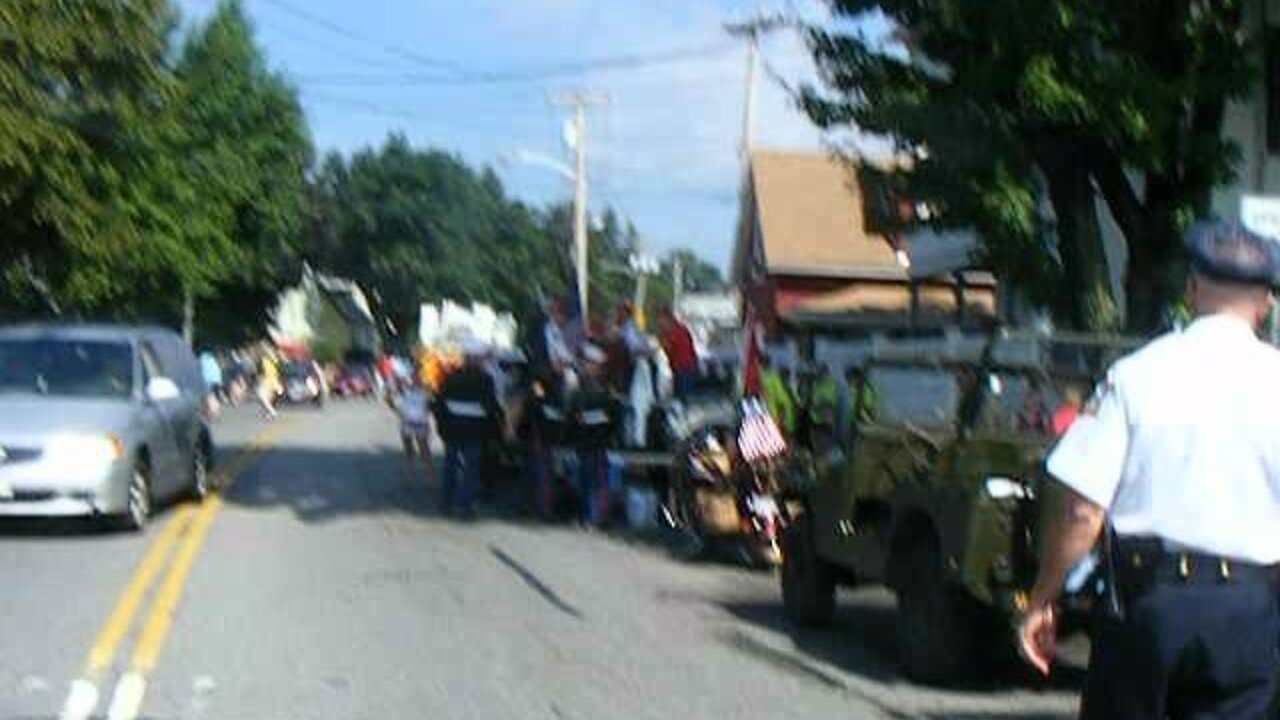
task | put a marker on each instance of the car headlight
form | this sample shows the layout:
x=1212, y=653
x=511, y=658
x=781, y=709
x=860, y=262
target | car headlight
x=84, y=449
x=1003, y=488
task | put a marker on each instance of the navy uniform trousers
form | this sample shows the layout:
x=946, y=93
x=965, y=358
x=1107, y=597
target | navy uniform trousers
x=1205, y=648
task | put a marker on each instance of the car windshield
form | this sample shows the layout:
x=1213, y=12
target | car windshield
x=1017, y=402
x=69, y=368
x=297, y=370
x=920, y=396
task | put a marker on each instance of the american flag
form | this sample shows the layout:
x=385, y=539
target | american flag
x=759, y=437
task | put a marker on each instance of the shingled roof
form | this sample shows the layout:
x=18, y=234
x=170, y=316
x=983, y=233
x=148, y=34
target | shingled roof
x=811, y=216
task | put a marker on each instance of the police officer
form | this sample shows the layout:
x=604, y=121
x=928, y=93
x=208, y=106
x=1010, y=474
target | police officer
x=1180, y=451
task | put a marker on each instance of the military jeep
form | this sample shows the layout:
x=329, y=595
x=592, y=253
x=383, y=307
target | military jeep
x=933, y=493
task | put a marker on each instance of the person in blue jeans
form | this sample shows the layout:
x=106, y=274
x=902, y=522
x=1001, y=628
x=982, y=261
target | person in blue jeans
x=462, y=460
x=468, y=415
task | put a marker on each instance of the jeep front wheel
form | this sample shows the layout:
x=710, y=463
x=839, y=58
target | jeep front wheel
x=938, y=625
x=808, y=583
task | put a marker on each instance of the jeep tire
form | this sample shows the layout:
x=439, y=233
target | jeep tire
x=808, y=582
x=939, y=627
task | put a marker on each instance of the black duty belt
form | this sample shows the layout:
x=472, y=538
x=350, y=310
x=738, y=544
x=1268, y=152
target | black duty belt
x=1142, y=562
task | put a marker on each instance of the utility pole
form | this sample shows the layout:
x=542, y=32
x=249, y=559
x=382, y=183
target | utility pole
x=188, y=317
x=751, y=30
x=580, y=101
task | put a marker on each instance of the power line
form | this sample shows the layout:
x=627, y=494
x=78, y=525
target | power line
x=627, y=62
x=461, y=75
x=368, y=107
x=503, y=130
x=392, y=49
x=288, y=32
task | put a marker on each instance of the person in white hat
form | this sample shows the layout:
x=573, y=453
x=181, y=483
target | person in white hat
x=1174, y=465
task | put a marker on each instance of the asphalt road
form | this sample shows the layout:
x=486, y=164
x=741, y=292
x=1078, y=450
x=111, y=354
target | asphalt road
x=323, y=585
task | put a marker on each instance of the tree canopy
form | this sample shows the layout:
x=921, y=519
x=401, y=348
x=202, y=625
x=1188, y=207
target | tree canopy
x=248, y=144
x=1014, y=115
x=414, y=226
x=146, y=170
x=129, y=180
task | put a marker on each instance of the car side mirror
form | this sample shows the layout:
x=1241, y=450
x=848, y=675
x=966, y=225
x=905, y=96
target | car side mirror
x=162, y=389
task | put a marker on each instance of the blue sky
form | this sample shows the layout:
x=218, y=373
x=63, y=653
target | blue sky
x=662, y=152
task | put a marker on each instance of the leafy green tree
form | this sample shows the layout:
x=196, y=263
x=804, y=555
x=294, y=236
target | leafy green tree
x=85, y=186
x=1003, y=105
x=697, y=275
x=414, y=226
x=418, y=226
x=248, y=148
x=126, y=183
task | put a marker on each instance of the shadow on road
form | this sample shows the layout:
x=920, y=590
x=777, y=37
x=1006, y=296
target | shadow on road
x=323, y=485
x=75, y=527
x=320, y=485
x=862, y=641
x=53, y=527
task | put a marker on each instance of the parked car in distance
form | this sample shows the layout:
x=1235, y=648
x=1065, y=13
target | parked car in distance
x=356, y=381
x=304, y=383
x=101, y=421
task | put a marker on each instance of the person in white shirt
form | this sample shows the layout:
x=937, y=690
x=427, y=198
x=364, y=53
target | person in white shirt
x=413, y=408
x=558, y=350
x=1179, y=450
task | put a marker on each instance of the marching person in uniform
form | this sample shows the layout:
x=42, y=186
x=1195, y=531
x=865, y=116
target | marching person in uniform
x=1179, y=452
x=596, y=415
x=468, y=415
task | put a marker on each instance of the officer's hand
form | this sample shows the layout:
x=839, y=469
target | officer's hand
x=1038, y=636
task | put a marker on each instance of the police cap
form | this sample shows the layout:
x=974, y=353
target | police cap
x=1228, y=251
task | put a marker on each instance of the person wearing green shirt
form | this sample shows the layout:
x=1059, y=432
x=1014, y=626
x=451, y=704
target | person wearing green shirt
x=777, y=397
x=827, y=396
x=867, y=400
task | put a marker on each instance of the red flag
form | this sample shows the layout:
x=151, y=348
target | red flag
x=752, y=348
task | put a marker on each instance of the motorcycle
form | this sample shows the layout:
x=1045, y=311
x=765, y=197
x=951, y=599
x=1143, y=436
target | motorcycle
x=718, y=499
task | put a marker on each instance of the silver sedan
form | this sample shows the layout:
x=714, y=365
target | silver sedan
x=99, y=421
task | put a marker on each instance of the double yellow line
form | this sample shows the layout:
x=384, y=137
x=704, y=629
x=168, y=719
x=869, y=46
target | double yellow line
x=186, y=532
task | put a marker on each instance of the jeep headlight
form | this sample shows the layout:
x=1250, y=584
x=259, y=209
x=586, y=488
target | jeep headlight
x=83, y=451
x=1003, y=488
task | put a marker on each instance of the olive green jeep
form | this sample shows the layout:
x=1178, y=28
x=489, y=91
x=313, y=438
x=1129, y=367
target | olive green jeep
x=933, y=492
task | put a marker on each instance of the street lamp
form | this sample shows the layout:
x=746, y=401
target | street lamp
x=531, y=157
x=577, y=175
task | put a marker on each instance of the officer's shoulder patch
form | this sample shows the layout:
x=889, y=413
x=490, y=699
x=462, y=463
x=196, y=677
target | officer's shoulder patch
x=1100, y=393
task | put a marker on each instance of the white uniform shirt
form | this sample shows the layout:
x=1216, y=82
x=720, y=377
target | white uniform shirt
x=413, y=407
x=1182, y=442
x=557, y=349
